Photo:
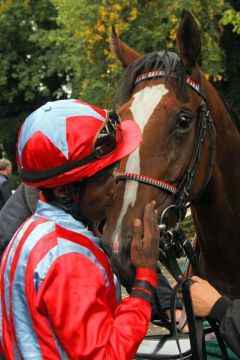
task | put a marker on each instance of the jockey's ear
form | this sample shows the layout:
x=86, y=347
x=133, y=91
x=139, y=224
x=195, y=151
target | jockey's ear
x=188, y=40
x=64, y=193
x=123, y=52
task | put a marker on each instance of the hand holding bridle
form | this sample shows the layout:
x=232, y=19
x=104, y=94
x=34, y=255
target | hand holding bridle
x=204, y=296
x=145, y=243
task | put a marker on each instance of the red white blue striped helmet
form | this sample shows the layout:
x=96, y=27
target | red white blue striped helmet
x=69, y=140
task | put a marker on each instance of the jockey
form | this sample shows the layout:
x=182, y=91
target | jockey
x=60, y=298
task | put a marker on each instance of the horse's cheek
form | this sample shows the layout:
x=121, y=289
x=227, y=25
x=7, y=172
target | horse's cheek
x=173, y=150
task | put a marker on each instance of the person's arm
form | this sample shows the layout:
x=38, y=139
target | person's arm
x=227, y=313
x=12, y=215
x=79, y=299
x=83, y=311
x=208, y=302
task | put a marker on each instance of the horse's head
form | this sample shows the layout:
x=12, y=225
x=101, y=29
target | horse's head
x=164, y=93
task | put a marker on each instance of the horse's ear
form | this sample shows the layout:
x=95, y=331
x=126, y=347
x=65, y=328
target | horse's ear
x=188, y=40
x=124, y=53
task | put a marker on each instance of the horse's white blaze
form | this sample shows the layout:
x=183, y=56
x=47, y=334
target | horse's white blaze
x=143, y=105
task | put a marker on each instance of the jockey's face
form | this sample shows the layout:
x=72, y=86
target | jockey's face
x=98, y=196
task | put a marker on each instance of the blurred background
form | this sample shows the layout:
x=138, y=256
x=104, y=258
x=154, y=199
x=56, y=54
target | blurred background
x=53, y=49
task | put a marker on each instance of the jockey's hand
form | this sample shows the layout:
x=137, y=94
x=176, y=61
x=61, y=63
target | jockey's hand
x=145, y=243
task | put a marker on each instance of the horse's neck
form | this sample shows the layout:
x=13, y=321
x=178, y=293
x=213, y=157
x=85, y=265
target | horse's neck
x=217, y=212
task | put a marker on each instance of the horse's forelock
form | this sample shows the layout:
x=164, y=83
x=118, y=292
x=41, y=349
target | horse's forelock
x=162, y=60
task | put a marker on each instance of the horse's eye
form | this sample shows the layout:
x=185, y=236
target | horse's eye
x=184, y=120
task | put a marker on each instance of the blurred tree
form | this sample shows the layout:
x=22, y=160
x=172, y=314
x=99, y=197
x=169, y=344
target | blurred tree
x=29, y=73
x=230, y=42
x=84, y=30
x=232, y=16
x=146, y=25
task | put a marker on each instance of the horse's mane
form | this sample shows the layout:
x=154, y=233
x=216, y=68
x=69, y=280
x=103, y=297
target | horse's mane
x=164, y=60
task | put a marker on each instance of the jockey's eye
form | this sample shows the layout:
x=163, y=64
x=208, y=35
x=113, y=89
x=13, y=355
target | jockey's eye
x=184, y=120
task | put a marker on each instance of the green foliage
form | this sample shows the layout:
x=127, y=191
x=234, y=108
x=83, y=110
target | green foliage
x=84, y=30
x=14, y=181
x=157, y=23
x=188, y=228
x=28, y=75
x=25, y=66
x=232, y=17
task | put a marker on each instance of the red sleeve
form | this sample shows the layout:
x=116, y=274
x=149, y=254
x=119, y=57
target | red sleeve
x=147, y=275
x=84, y=314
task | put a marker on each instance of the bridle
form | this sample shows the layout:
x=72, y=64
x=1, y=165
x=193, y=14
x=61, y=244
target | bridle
x=181, y=193
x=173, y=241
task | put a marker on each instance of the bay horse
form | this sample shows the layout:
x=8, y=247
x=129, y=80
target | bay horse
x=189, y=154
